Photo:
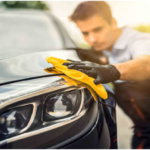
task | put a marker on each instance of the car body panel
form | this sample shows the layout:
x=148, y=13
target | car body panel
x=30, y=65
x=50, y=138
x=94, y=129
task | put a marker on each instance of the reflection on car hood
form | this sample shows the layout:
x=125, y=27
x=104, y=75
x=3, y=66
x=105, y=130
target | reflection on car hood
x=31, y=65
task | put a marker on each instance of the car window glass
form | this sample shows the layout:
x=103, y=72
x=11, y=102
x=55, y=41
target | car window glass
x=23, y=34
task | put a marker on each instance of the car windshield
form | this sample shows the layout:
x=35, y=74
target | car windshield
x=23, y=34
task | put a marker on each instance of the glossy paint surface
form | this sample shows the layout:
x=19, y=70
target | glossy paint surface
x=31, y=65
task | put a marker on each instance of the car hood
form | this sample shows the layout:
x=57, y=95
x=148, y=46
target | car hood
x=30, y=65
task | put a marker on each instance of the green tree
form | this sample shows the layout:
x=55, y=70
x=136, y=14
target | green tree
x=25, y=4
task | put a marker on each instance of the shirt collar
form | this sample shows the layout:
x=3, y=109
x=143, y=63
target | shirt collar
x=122, y=41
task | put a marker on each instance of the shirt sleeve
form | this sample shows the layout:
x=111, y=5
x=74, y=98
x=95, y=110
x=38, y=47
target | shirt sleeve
x=140, y=46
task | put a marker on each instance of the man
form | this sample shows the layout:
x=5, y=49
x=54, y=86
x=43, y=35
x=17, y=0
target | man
x=128, y=53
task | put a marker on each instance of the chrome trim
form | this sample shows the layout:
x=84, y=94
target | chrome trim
x=51, y=89
x=82, y=103
x=26, y=135
x=78, y=112
x=35, y=105
x=61, y=122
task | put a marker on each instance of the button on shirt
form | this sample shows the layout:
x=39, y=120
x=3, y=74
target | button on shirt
x=130, y=44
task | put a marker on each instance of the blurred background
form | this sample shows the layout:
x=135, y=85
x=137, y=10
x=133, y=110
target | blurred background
x=132, y=13
x=127, y=13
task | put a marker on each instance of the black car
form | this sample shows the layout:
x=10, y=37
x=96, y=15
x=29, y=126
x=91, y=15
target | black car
x=38, y=109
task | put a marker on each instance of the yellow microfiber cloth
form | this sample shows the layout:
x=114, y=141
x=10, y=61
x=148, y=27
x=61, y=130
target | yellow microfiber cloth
x=71, y=82
x=77, y=75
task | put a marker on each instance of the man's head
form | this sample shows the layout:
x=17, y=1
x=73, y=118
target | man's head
x=96, y=23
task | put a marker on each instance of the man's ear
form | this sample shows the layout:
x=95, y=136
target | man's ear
x=114, y=23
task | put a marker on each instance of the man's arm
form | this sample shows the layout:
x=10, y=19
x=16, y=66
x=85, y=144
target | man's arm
x=137, y=69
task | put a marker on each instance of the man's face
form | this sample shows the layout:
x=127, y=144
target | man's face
x=97, y=32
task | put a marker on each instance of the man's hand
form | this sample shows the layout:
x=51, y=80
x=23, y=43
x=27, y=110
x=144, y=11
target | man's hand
x=101, y=73
x=89, y=55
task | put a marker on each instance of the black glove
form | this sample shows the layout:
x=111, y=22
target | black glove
x=90, y=55
x=101, y=73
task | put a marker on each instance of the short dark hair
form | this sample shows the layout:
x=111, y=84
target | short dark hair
x=89, y=8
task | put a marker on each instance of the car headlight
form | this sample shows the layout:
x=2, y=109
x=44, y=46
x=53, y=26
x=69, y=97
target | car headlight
x=62, y=105
x=14, y=120
x=35, y=106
